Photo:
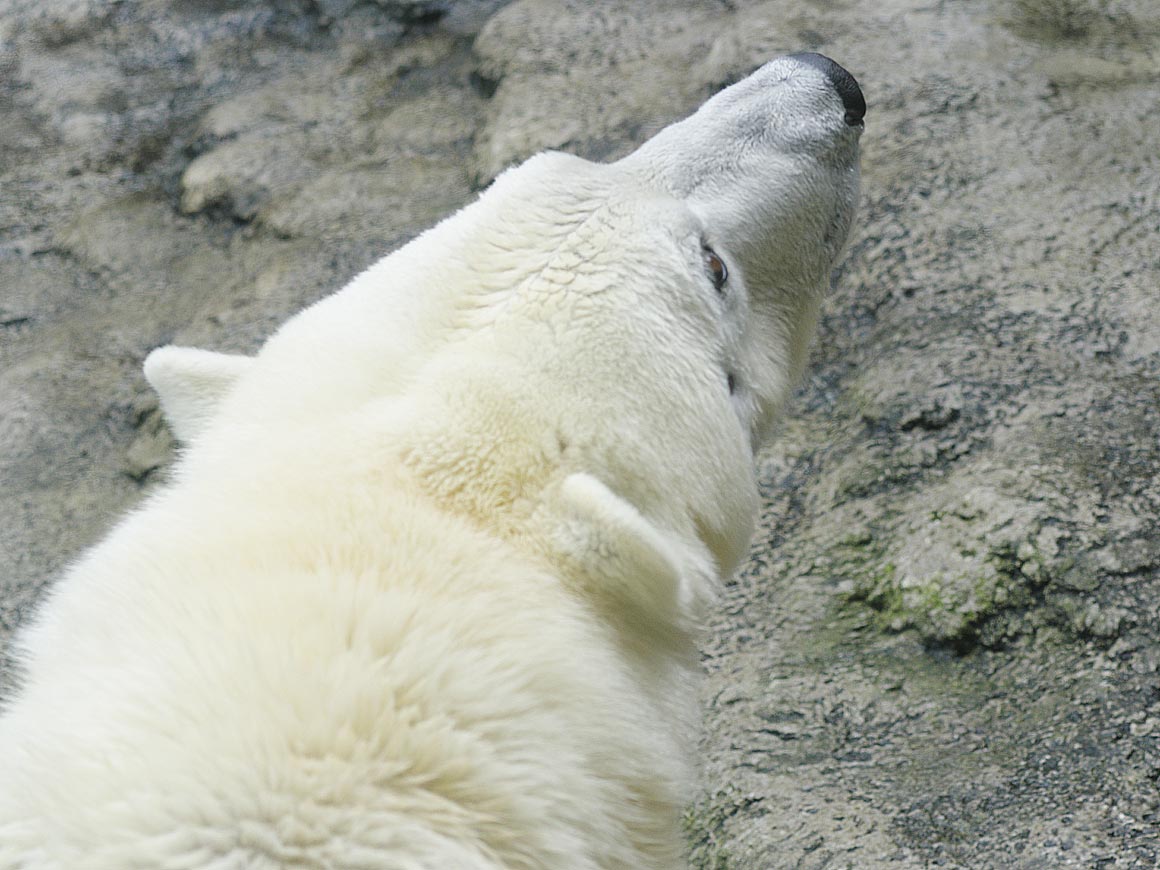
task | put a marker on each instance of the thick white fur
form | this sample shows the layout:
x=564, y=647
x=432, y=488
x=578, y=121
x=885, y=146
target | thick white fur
x=192, y=384
x=424, y=588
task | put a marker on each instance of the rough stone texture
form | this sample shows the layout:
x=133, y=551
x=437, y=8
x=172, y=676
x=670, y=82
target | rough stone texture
x=945, y=649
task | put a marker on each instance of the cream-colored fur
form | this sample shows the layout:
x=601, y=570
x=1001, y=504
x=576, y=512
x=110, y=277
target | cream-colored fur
x=424, y=588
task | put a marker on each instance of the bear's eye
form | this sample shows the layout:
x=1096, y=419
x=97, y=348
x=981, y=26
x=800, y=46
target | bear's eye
x=716, y=267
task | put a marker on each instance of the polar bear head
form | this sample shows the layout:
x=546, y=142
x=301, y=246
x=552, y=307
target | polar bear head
x=587, y=357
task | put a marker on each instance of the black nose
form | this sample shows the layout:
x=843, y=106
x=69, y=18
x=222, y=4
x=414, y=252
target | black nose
x=843, y=82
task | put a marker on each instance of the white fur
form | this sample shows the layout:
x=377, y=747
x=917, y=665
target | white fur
x=192, y=383
x=424, y=589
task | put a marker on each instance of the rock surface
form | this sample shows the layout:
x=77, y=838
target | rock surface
x=945, y=649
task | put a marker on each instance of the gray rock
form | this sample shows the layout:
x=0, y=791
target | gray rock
x=944, y=649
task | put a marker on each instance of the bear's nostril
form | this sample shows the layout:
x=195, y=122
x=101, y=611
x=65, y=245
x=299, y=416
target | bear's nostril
x=844, y=83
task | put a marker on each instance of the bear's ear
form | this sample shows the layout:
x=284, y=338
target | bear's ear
x=644, y=577
x=191, y=384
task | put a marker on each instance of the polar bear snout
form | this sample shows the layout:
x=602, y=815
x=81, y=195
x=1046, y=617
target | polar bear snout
x=844, y=83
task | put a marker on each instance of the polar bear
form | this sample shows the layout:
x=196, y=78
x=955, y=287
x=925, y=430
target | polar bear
x=424, y=588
